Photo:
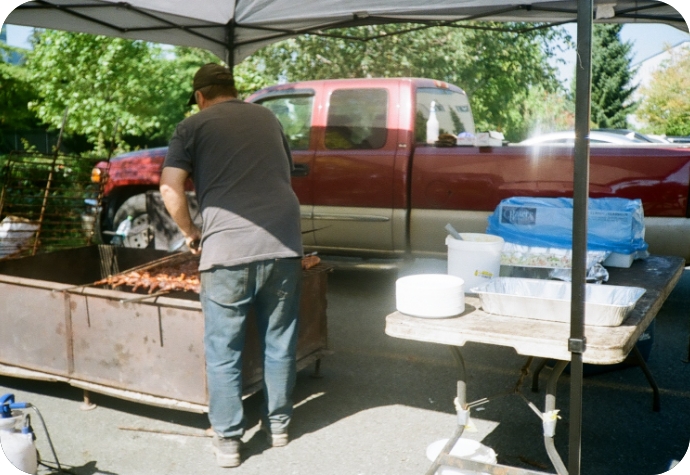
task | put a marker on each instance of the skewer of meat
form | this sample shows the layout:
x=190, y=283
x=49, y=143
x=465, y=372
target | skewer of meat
x=182, y=276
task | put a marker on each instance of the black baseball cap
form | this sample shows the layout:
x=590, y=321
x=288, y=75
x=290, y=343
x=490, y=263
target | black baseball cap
x=211, y=74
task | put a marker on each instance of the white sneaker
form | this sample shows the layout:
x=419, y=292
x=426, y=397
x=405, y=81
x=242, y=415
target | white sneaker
x=276, y=440
x=279, y=440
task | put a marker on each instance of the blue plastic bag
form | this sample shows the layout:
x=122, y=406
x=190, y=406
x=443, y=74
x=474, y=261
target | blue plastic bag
x=614, y=224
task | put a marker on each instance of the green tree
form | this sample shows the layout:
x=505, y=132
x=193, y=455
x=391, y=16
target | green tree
x=611, y=78
x=102, y=82
x=545, y=111
x=496, y=68
x=500, y=68
x=16, y=91
x=665, y=103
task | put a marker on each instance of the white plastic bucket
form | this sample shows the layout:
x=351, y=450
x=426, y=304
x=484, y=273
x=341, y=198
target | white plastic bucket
x=465, y=449
x=475, y=259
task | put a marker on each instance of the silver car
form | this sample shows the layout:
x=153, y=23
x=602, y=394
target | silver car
x=567, y=137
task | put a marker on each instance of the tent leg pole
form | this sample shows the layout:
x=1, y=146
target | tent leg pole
x=577, y=343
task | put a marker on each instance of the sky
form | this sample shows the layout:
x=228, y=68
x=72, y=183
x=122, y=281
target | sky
x=648, y=40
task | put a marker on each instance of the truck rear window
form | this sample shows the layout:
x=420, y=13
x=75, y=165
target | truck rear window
x=294, y=113
x=452, y=111
x=357, y=119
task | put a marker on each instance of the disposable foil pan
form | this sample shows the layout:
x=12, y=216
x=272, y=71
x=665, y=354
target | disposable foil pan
x=605, y=305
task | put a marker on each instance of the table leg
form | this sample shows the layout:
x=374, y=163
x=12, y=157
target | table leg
x=461, y=407
x=535, y=375
x=656, y=403
x=445, y=459
x=550, y=431
x=461, y=402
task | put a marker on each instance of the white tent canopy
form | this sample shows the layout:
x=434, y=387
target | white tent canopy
x=243, y=26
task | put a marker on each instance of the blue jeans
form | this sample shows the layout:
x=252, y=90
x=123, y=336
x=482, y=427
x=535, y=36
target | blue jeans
x=273, y=288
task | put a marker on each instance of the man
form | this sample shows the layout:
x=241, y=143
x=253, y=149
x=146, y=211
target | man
x=250, y=245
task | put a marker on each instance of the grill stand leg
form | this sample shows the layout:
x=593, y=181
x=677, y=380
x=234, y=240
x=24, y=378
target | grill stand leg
x=87, y=405
x=317, y=370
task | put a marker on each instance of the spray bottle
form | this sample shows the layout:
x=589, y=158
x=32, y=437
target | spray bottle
x=17, y=435
x=122, y=232
x=432, y=125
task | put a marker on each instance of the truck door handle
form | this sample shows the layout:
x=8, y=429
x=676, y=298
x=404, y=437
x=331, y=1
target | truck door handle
x=301, y=169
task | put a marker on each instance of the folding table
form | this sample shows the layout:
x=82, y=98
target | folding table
x=542, y=339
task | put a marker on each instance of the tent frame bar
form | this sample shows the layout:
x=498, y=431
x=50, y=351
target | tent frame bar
x=356, y=20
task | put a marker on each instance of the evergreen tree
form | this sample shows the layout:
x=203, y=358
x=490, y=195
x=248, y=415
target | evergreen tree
x=611, y=77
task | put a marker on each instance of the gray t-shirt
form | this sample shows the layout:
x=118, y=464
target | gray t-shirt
x=240, y=163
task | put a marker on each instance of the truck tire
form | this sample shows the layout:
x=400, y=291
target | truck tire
x=140, y=235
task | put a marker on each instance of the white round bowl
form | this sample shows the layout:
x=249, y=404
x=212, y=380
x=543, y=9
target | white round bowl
x=430, y=295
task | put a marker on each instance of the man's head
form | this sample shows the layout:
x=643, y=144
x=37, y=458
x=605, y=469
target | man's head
x=212, y=81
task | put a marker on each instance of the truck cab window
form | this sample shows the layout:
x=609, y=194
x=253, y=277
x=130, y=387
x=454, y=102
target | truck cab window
x=452, y=112
x=294, y=113
x=357, y=119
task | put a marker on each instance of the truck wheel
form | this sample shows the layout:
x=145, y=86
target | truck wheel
x=140, y=235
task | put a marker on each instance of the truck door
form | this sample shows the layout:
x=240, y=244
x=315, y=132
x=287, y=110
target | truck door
x=294, y=109
x=354, y=169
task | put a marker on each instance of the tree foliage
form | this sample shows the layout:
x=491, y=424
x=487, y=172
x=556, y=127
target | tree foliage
x=142, y=89
x=16, y=91
x=500, y=69
x=546, y=111
x=131, y=92
x=611, y=78
x=496, y=68
x=665, y=104
x=106, y=84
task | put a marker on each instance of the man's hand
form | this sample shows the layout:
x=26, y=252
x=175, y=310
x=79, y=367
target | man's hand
x=193, y=241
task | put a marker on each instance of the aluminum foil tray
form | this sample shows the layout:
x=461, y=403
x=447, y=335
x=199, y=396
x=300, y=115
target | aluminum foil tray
x=534, y=262
x=605, y=305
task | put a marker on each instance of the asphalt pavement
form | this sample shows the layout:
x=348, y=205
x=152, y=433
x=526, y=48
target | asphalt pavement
x=380, y=402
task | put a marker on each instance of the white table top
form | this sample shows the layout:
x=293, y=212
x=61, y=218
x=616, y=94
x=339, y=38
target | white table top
x=604, y=345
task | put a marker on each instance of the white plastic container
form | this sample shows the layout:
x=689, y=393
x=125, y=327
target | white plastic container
x=465, y=449
x=430, y=295
x=476, y=258
x=432, y=127
x=19, y=448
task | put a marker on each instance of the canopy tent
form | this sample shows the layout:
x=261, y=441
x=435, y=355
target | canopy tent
x=235, y=29
x=244, y=26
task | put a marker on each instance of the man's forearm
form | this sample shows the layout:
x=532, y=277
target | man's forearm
x=178, y=207
x=175, y=200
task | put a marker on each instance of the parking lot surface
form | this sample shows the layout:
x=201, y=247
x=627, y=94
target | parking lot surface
x=380, y=402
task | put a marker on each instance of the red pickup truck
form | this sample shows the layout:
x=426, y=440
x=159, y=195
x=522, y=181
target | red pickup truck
x=370, y=183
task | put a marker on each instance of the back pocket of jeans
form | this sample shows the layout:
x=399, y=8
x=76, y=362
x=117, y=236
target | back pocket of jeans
x=225, y=286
